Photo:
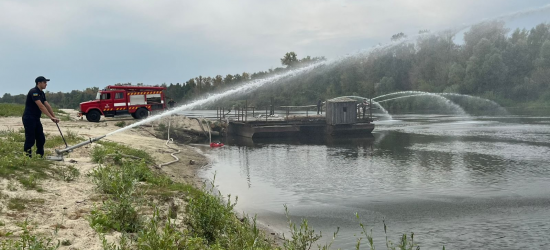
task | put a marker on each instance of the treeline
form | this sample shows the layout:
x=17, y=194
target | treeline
x=57, y=99
x=180, y=92
x=512, y=68
x=196, y=87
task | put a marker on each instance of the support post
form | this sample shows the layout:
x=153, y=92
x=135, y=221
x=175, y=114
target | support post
x=370, y=110
x=272, y=109
x=287, y=112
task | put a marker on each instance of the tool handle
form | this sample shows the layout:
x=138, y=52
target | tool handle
x=66, y=146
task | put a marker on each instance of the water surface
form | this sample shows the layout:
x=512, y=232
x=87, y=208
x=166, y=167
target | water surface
x=463, y=182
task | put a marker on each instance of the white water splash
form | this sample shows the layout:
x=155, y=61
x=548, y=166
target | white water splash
x=496, y=105
x=449, y=103
x=476, y=98
x=252, y=85
x=249, y=86
x=386, y=113
x=408, y=92
x=260, y=82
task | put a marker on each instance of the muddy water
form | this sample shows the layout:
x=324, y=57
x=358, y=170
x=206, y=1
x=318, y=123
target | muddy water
x=466, y=183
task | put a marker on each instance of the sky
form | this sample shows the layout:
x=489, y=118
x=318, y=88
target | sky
x=94, y=43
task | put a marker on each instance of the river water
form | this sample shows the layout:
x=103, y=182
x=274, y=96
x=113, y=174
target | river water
x=459, y=182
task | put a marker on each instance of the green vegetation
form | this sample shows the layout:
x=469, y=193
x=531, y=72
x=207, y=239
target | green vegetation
x=70, y=100
x=120, y=124
x=17, y=109
x=512, y=68
x=28, y=241
x=20, y=203
x=68, y=173
x=15, y=164
x=509, y=67
x=142, y=204
x=10, y=109
x=139, y=203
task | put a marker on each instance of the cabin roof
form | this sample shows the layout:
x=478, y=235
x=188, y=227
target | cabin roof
x=342, y=99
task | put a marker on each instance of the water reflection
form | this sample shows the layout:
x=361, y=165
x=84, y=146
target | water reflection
x=363, y=141
x=449, y=180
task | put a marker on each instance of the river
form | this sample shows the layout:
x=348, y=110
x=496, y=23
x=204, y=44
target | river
x=460, y=182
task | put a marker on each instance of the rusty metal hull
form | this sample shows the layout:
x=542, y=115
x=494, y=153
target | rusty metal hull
x=289, y=129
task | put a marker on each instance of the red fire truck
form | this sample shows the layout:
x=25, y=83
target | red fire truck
x=124, y=99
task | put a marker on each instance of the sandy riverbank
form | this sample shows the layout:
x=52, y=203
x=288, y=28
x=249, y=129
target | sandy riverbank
x=67, y=204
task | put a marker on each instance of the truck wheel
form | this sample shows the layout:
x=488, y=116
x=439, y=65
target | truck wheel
x=142, y=113
x=93, y=116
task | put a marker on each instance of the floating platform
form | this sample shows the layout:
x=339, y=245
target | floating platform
x=313, y=127
x=342, y=118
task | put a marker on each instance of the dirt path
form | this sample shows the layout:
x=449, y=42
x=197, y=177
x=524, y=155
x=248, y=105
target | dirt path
x=60, y=211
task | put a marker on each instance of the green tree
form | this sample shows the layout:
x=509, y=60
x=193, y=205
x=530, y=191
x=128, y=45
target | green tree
x=290, y=59
x=385, y=86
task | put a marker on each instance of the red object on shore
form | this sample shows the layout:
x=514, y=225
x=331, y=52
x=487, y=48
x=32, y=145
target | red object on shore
x=216, y=144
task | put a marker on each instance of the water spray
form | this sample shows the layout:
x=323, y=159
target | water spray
x=252, y=85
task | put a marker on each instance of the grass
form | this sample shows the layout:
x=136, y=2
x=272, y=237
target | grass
x=68, y=173
x=209, y=222
x=15, y=164
x=12, y=109
x=28, y=241
x=132, y=189
x=20, y=204
x=66, y=243
x=117, y=152
x=120, y=124
x=9, y=109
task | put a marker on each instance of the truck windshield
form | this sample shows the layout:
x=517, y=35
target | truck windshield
x=98, y=96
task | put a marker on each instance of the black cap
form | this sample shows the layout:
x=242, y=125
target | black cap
x=41, y=79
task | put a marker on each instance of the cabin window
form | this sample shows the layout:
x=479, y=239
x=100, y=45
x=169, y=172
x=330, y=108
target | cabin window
x=106, y=96
x=119, y=95
x=345, y=109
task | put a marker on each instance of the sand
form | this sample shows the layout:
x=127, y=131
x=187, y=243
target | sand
x=67, y=204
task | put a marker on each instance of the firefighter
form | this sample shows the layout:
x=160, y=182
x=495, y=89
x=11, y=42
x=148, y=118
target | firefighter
x=171, y=103
x=35, y=105
x=364, y=106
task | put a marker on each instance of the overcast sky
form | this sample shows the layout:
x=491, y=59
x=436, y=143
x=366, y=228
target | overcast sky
x=85, y=43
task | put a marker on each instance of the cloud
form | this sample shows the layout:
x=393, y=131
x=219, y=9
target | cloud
x=172, y=40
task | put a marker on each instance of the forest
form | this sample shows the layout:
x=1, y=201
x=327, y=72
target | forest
x=511, y=67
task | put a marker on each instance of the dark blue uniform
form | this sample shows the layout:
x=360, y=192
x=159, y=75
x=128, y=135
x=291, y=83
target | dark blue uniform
x=31, y=121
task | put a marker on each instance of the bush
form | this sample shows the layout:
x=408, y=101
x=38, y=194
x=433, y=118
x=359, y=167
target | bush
x=15, y=164
x=118, y=213
x=120, y=124
x=167, y=238
x=9, y=109
x=210, y=221
x=111, y=149
x=212, y=218
x=28, y=241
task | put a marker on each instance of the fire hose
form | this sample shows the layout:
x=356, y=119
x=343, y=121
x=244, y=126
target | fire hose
x=176, y=159
x=67, y=149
